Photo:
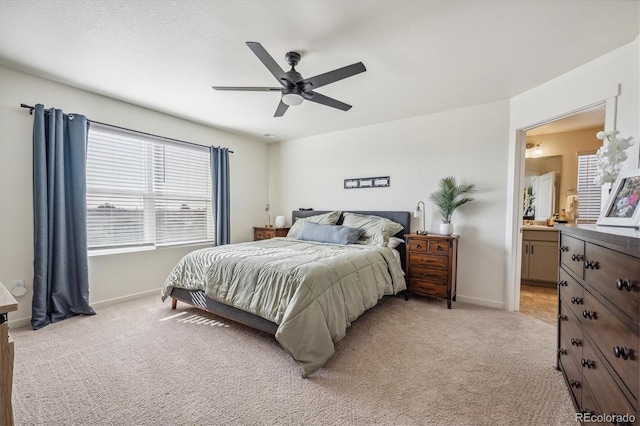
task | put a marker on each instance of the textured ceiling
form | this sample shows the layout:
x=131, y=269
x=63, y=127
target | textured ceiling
x=421, y=56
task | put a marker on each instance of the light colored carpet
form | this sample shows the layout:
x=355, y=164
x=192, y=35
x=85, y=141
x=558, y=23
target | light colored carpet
x=402, y=363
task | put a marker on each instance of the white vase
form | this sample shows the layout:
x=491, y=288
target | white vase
x=446, y=228
x=281, y=221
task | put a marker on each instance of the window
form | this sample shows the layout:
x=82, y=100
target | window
x=146, y=191
x=589, y=193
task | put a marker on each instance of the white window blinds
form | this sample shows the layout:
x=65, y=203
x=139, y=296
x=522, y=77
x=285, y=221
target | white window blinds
x=146, y=191
x=589, y=193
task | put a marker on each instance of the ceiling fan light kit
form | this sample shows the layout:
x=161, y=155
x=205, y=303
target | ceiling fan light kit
x=295, y=88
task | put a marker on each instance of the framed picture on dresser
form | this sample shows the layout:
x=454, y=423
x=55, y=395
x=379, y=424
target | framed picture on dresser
x=623, y=205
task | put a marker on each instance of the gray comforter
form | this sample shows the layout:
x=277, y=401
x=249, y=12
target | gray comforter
x=313, y=291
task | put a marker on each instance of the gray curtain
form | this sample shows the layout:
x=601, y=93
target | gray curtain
x=220, y=194
x=61, y=273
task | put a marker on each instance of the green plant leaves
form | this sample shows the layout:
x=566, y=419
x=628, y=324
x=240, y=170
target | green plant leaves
x=450, y=196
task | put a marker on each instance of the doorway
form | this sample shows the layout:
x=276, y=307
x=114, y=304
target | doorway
x=551, y=169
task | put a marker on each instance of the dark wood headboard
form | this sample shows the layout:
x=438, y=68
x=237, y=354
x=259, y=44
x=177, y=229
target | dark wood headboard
x=403, y=218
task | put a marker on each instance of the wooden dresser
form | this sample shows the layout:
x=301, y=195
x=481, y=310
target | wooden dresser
x=265, y=232
x=7, y=304
x=431, y=265
x=598, y=321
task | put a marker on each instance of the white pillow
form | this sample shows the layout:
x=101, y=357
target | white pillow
x=394, y=242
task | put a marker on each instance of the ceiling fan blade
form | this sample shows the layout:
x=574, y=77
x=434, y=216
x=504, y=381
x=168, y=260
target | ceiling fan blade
x=332, y=76
x=269, y=62
x=282, y=108
x=325, y=100
x=249, y=89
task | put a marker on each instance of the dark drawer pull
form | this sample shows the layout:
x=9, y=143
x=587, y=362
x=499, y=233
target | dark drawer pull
x=623, y=283
x=623, y=352
x=589, y=314
x=562, y=283
x=591, y=264
x=563, y=317
x=418, y=246
x=577, y=257
x=562, y=351
x=576, y=300
x=576, y=342
x=439, y=248
x=588, y=363
x=564, y=248
x=574, y=383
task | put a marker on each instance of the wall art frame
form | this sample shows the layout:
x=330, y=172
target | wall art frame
x=368, y=182
x=623, y=205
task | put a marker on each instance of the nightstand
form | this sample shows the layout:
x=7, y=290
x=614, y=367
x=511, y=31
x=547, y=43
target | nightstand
x=264, y=232
x=431, y=265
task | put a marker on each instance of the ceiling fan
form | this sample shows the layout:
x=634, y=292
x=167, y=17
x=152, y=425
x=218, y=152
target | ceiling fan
x=295, y=88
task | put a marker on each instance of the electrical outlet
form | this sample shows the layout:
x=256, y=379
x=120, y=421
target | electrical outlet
x=18, y=288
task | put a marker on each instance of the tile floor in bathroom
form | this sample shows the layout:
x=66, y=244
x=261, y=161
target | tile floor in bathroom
x=539, y=302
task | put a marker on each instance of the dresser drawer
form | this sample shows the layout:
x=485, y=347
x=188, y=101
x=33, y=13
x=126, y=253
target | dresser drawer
x=418, y=245
x=571, y=332
x=263, y=235
x=610, y=266
x=572, y=254
x=427, y=288
x=427, y=261
x=439, y=247
x=571, y=293
x=589, y=405
x=437, y=276
x=609, y=333
x=573, y=374
x=606, y=392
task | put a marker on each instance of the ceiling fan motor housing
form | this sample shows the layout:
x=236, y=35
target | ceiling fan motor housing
x=292, y=58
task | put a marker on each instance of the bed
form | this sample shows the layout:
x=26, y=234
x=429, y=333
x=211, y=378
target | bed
x=302, y=289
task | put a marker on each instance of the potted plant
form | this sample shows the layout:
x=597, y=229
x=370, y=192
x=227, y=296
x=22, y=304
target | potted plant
x=448, y=198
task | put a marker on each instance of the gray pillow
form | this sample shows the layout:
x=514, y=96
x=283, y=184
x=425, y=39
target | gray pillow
x=333, y=234
x=376, y=229
x=330, y=218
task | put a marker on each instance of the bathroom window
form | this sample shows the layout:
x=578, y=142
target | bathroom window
x=589, y=192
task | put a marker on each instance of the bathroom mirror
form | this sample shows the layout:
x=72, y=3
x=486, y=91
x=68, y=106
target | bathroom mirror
x=541, y=195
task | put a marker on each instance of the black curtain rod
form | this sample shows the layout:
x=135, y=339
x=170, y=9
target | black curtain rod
x=31, y=108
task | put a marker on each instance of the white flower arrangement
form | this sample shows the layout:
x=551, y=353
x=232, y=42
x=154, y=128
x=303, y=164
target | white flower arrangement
x=610, y=155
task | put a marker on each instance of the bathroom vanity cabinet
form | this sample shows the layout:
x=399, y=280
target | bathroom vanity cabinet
x=540, y=256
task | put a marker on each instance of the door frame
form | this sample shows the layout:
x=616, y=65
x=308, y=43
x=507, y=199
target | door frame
x=517, y=149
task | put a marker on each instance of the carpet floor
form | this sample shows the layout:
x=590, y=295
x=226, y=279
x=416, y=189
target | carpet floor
x=402, y=363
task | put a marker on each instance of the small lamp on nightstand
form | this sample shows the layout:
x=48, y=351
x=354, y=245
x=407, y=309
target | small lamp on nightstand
x=420, y=211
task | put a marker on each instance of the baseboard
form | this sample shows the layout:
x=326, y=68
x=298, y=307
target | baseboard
x=118, y=300
x=481, y=302
x=20, y=322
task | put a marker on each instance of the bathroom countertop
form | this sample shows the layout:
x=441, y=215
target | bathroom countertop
x=538, y=228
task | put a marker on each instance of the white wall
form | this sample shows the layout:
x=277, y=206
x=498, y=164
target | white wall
x=469, y=144
x=111, y=277
x=602, y=79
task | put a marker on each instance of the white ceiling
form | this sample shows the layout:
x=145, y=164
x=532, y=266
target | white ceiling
x=421, y=56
